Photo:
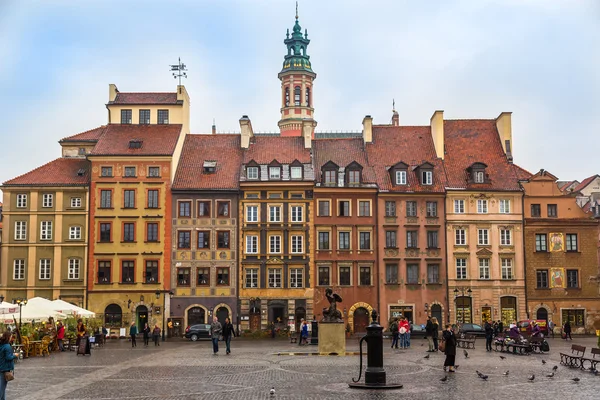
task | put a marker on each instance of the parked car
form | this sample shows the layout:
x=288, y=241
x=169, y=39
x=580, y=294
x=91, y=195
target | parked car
x=197, y=332
x=417, y=330
x=471, y=329
x=525, y=327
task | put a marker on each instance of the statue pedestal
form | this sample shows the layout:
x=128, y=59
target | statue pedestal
x=332, y=338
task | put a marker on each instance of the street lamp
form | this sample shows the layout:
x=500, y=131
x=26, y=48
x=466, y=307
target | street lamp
x=462, y=291
x=20, y=303
x=157, y=293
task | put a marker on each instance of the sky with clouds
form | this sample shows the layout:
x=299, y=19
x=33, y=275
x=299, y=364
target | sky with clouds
x=539, y=59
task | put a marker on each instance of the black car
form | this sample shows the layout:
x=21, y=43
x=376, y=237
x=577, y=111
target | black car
x=198, y=332
x=471, y=329
x=417, y=331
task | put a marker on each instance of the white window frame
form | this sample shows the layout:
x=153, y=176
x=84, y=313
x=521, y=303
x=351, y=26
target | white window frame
x=401, y=177
x=461, y=268
x=484, y=268
x=275, y=278
x=251, y=244
x=252, y=213
x=427, y=178
x=479, y=177
x=459, y=206
x=73, y=268
x=21, y=200
x=18, y=269
x=46, y=230
x=483, y=237
x=296, y=171
x=460, y=237
x=75, y=202
x=251, y=273
x=275, y=173
x=20, y=230
x=482, y=206
x=297, y=244
x=274, y=213
x=275, y=244
x=296, y=274
x=504, y=206
x=47, y=200
x=505, y=237
x=507, y=268
x=45, y=269
x=368, y=208
x=252, y=172
x=296, y=213
x=74, y=233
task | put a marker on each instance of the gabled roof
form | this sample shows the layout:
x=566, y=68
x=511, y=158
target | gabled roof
x=476, y=140
x=522, y=173
x=223, y=149
x=145, y=98
x=157, y=140
x=342, y=152
x=88, y=136
x=412, y=145
x=585, y=182
x=263, y=149
x=566, y=185
x=60, y=172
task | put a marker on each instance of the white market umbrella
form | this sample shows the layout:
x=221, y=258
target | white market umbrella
x=37, y=308
x=68, y=308
x=9, y=308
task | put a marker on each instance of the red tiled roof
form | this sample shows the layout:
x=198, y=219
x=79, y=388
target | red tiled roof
x=224, y=149
x=522, y=173
x=584, y=183
x=157, y=140
x=145, y=98
x=476, y=140
x=342, y=152
x=88, y=136
x=412, y=145
x=284, y=149
x=60, y=172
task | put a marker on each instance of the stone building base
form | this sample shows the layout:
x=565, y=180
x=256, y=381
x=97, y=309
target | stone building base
x=332, y=338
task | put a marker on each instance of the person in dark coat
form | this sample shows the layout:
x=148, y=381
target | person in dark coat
x=146, y=332
x=228, y=333
x=489, y=335
x=450, y=351
x=434, y=330
x=156, y=335
x=132, y=332
x=394, y=331
x=429, y=334
x=500, y=327
x=567, y=330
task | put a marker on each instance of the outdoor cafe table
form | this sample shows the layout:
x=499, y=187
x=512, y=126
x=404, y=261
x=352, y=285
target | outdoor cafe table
x=36, y=346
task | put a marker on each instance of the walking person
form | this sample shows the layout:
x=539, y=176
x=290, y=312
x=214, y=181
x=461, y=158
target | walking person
x=403, y=329
x=60, y=335
x=408, y=332
x=394, y=330
x=435, y=329
x=146, y=332
x=429, y=334
x=228, y=333
x=80, y=331
x=489, y=335
x=6, y=362
x=304, y=335
x=450, y=348
x=156, y=335
x=300, y=333
x=567, y=330
x=132, y=332
x=551, y=328
x=215, y=331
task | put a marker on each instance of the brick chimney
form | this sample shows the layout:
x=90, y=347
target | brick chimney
x=437, y=132
x=395, y=118
x=247, y=133
x=368, y=129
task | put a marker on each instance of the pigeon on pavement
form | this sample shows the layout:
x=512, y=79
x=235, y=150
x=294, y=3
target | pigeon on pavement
x=555, y=368
x=550, y=375
x=444, y=379
x=466, y=353
x=426, y=357
x=575, y=379
x=531, y=378
x=502, y=357
x=272, y=391
x=506, y=373
x=543, y=361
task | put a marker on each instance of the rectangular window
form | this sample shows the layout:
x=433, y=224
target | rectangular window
x=482, y=206
x=542, y=279
x=130, y=172
x=536, y=210
x=183, y=277
x=412, y=274
x=552, y=211
x=324, y=241
x=460, y=237
x=296, y=277
x=203, y=277
x=484, y=268
x=390, y=239
x=274, y=173
x=251, y=244
x=432, y=209
x=222, y=239
x=296, y=172
x=223, y=276
x=106, y=172
x=343, y=208
x=152, y=232
x=505, y=237
x=104, y=275
x=507, y=268
x=354, y=177
x=572, y=278
x=183, y=240
x=44, y=269
x=275, y=278
x=432, y=239
x=433, y=273
x=324, y=276
x=391, y=274
x=144, y=117
x=461, y=268
x=571, y=240
x=411, y=208
x=129, y=199
x=427, y=177
x=151, y=274
x=365, y=240
x=163, y=117
x=153, y=198
x=154, y=172
x=252, y=172
x=540, y=242
x=330, y=178
x=364, y=209
x=297, y=212
x=344, y=241
x=74, y=233
x=47, y=200
x=105, y=232
x=251, y=277
x=185, y=209
x=251, y=213
x=21, y=201
x=46, y=230
x=297, y=244
x=275, y=244
x=390, y=208
x=75, y=202
x=74, y=268
x=483, y=237
x=411, y=240
x=20, y=230
x=459, y=206
x=364, y=276
x=128, y=232
x=274, y=214
x=106, y=199
x=400, y=177
x=203, y=240
x=204, y=209
x=223, y=209
x=18, y=270
x=324, y=210
x=504, y=206
x=345, y=278
x=126, y=116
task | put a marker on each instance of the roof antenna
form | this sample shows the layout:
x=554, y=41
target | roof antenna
x=180, y=69
x=393, y=105
x=296, y=11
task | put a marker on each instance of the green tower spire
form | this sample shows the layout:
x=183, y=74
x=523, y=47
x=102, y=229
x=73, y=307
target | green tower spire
x=296, y=59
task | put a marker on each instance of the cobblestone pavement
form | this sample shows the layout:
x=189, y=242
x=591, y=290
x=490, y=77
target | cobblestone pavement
x=184, y=370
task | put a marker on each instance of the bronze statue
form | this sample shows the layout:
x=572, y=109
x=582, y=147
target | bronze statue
x=332, y=314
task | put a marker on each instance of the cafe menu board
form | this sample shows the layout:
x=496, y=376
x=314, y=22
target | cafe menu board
x=83, y=341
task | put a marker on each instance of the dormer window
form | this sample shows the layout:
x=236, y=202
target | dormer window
x=210, y=167
x=252, y=170
x=274, y=171
x=135, y=144
x=477, y=174
x=401, y=177
x=353, y=174
x=296, y=170
x=329, y=174
x=427, y=177
x=479, y=177
x=398, y=174
x=163, y=117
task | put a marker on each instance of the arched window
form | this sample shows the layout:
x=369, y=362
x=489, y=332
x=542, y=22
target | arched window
x=297, y=95
x=287, y=96
x=113, y=315
x=307, y=97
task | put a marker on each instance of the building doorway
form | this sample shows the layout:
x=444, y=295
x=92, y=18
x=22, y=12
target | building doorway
x=361, y=320
x=542, y=313
x=196, y=315
x=463, y=310
x=436, y=311
x=222, y=313
x=486, y=315
x=142, y=316
x=277, y=313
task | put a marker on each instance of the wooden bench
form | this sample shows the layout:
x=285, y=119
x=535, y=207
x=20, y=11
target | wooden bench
x=518, y=348
x=466, y=342
x=573, y=359
x=592, y=360
x=536, y=343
